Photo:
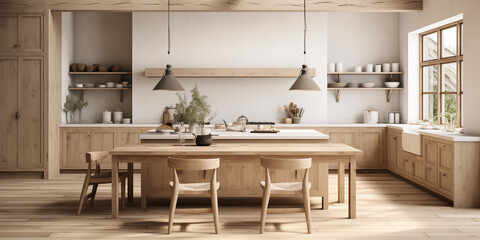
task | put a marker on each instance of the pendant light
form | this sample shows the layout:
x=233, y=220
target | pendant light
x=168, y=82
x=305, y=82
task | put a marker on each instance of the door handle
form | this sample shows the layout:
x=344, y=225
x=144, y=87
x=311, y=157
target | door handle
x=17, y=115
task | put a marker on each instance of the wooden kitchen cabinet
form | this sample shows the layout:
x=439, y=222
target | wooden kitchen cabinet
x=9, y=106
x=418, y=171
x=408, y=163
x=21, y=33
x=21, y=123
x=445, y=181
x=445, y=156
x=371, y=142
x=396, y=163
x=75, y=143
x=431, y=173
x=430, y=150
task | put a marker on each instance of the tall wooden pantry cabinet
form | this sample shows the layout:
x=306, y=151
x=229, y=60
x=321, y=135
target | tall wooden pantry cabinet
x=22, y=75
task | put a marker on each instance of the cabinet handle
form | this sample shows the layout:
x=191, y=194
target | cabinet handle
x=395, y=138
x=429, y=168
x=406, y=160
x=17, y=115
x=444, y=174
x=15, y=46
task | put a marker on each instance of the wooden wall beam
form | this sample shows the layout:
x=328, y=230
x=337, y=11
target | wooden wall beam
x=218, y=5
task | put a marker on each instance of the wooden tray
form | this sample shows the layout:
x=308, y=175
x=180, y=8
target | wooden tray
x=265, y=131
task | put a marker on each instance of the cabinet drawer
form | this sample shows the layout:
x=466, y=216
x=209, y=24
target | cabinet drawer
x=445, y=181
x=445, y=156
x=431, y=176
x=419, y=170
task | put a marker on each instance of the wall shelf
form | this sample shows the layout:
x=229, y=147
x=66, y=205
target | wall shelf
x=388, y=74
x=388, y=90
x=80, y=90
x=229, y=72
x=100, y=73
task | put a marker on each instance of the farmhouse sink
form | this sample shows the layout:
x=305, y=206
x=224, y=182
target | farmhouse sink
x=411, y=140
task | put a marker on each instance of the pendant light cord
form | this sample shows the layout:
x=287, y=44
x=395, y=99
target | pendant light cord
x=169, y=27
x=305, y=27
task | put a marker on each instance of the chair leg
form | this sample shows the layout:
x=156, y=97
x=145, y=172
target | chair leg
x=265, y=201
x=173, y=205
x=83, y=195
x=215, y=209
x=94, y=192
x=306, y=206
x=122, y=198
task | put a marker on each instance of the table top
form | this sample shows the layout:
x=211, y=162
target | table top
x=306, y=149
x=289, y=134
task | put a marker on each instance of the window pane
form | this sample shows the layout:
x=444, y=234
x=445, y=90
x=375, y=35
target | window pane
x=449, y=106
x=461, y=36
x=461, y=76
x=430, y=107
x=430, y=81
x=449, y=77
x=430, y=43
x=449, y=42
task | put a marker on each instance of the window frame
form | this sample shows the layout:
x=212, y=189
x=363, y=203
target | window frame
x=439, y=61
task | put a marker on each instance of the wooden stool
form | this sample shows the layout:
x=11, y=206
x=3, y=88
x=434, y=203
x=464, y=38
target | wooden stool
x=98, y=177
x=194, y=188
x=284, y=188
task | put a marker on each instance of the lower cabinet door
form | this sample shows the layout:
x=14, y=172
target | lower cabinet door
x=431, y=176
x=419, y=171
x=408, y=166
x=76, y=144
x=445, y=182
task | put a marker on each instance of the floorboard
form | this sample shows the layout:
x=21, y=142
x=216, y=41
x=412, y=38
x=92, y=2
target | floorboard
x=387, y=208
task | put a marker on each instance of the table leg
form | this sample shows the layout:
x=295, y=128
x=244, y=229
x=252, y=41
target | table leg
x=130, y=182
x=341, y=182
x=114, y=187
x=143, y=187
x=352, y=189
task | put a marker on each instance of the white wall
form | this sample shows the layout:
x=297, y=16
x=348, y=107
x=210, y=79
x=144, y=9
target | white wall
x=437, y=10
x=68, y=39
x=106, y=39
x=357, y=39
x=242, y=40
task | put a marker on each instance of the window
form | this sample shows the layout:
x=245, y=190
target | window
x=441, y=68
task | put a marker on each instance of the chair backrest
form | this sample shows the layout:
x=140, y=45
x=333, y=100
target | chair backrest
x=95, y=157
x=286, y=163
x=194, y=164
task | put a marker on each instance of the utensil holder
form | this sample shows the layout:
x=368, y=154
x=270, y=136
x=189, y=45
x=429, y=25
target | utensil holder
x=296, y=120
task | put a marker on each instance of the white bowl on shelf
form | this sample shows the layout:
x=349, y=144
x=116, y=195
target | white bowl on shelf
x=89, y=85
x=392, y=84
x=79, y=85
x=110, y=84
x=102, y=86
x=367, y=85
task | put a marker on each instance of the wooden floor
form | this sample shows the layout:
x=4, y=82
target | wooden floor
x=388, y=208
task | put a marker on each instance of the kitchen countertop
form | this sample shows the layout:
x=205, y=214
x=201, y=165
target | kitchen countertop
x=222, y=134
x=450, y=136
x=456, y=137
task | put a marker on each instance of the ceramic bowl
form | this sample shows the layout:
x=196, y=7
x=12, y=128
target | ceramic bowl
x=89, y=85
x=110, y=84
x=367, y=85
x=337, y=85
x=392, y=84
x=79, y=85
x=102, y=86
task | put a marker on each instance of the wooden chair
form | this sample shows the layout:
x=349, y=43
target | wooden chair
x=194, y=188
x=97, y=177
x=285, y=188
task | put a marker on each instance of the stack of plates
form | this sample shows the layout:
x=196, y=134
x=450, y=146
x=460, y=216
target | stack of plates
x=337, y=85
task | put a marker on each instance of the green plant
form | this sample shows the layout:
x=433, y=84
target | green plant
x=73, y=104
x=196, y=111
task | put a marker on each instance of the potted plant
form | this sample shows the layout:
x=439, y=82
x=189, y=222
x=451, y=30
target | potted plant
x=72, y=105
x=196, y=112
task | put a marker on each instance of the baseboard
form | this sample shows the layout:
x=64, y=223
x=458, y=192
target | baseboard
x=21, y=175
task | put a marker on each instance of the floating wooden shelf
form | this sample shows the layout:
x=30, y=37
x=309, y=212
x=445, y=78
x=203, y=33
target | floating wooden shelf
x=389, y=91
x=389, y=74
x=80, y=90
x=99, y=73
x=229, y=72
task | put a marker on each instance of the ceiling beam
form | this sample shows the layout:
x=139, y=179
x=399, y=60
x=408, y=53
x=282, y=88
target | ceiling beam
x=218, y=5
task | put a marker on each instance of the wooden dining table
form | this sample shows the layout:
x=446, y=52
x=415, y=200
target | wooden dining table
x=324, y=153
